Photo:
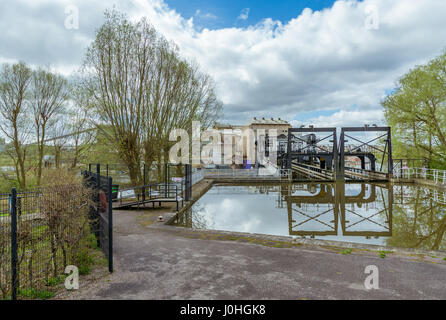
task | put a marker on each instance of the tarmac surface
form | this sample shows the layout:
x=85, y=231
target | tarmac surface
x=154, y=261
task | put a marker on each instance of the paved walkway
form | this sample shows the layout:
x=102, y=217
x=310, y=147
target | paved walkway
x=157, y=263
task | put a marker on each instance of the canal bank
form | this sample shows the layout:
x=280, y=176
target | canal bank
x=378, y=217
x=157, y=261
x=170, y=264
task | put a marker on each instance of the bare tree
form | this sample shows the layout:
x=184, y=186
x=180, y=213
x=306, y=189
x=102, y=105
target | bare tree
x=82, y=136
x=50, y=92
x=14, y=87
x=119, y=61
x=143, y=89
x=59, y=136
x=82, y=130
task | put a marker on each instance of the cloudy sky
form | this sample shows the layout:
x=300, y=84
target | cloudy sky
x=318, y=62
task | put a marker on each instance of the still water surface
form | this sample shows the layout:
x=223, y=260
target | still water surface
x=406, y=216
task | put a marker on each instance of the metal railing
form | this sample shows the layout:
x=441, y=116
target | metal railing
x=313, y=172
x=42, y=232
x=363, y=174
x=435, y=175
x=139, y=195
x=258, y=174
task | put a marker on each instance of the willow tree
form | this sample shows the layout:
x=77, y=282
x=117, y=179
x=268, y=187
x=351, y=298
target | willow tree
x=15, y=82
x=417, y=112
x=49, y=95
x=179, y=94
x=142, y=88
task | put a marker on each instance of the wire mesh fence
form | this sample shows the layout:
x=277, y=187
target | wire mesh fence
x=101, y=215
x=43, y=231
x=5, y=247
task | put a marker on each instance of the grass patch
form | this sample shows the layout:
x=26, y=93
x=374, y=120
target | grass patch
x=383, y=254
x=444, y=259
x=84, y=261
x=347, y=251
x=54, y=281
x=146, y=220
x=244, y=239
x=33, y=293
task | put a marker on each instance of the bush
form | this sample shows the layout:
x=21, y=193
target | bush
x=33, y=293
x=58, y=235
x=84, y=261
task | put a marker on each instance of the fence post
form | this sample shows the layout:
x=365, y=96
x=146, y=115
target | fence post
x=110, y=225
x=98, y=203
x=14, y=258
x=144, y=183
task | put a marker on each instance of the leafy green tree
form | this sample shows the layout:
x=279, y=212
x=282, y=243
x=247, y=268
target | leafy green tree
x=417, y=113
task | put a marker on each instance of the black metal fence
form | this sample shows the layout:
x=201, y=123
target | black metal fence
x=45, y=230
x=101, y=214
x=41, y=233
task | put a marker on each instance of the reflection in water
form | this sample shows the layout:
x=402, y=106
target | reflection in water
x=400, y=216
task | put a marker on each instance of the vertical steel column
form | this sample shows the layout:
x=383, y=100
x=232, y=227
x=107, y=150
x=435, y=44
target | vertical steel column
x=390, y=159
x=110, y=225
x=14, y=258
x=166, y=178
x=144, y=182
x=339, y=205
x=188, y=182
x=335, y=156
x=97, y=200
x=341, y=161
x=390, y=222
x=288, y=150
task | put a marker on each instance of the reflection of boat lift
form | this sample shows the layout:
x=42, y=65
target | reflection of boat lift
x=335, y=195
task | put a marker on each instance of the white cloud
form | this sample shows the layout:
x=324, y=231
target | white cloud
x=244, y=14
x=207, y=15
x=345, y=118
x=324, y=60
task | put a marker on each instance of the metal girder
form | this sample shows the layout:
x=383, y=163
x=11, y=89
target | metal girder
x=337, y=155
x=332, y=134
x=387, y=150
x=339, y=209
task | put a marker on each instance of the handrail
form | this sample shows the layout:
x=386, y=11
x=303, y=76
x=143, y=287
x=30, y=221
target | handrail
x=260, y=173
x=436, y=175
x=315, y=171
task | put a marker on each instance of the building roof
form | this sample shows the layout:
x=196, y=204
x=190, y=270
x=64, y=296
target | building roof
x=258, y=121
x=220, y=126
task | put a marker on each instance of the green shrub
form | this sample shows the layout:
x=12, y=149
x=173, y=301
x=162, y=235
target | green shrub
x=54, y=281
x=91, y=241
x=84, y=261
x=33, y=293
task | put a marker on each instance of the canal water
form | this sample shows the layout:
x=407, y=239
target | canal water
x=406, y=216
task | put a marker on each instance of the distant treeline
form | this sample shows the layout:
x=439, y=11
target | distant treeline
x=133, y=88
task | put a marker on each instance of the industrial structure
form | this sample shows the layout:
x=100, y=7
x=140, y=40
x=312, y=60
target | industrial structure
x=312, y=153
x=317, y=157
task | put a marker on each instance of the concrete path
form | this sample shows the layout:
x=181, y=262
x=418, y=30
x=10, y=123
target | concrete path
x=163, y=263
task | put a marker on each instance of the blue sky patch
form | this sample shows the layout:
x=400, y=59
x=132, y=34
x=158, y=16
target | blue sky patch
x=230, y=13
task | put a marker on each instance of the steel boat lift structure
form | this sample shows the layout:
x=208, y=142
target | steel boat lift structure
x=323, y=159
